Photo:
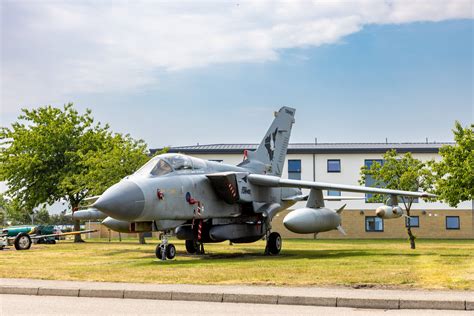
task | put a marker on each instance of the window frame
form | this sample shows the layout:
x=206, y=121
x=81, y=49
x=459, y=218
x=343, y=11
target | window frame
x=446, y=222
x=292, y=171
x=334, y=191
x=408, y=220
x=333, y=160
x=369, y=195
x=375, y=218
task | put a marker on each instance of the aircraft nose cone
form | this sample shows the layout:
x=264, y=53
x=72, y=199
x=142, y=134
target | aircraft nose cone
x=124, y=200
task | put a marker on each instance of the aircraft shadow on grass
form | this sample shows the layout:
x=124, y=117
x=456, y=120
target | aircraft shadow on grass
x=211, y=257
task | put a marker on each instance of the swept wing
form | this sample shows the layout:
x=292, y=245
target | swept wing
x=271, y=181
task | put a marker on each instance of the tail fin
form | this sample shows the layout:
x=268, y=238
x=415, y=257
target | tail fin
x=272, y=150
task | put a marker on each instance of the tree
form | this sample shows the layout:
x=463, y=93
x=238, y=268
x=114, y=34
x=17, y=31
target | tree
x=42, y=216
x=53, y=153
x=455, y=172
x=402, y=173
x=14, y=214
x=61, y=219
x=3, y=210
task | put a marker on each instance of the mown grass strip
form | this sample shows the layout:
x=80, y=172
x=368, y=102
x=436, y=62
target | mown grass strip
x=435, y=264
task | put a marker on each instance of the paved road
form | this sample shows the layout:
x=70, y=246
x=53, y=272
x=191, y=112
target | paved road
x=58, y=305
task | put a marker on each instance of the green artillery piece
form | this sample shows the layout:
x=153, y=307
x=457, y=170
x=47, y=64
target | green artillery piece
x=23, y=236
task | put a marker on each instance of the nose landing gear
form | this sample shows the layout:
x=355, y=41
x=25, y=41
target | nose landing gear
x=164, y=250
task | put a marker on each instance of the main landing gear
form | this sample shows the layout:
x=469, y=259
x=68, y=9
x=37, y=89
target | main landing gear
x=274, y=242
x=165, y=250
x=194, y=247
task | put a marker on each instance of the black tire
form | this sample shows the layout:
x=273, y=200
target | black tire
x=52, y=241
x=22, y=241
x=170, y=251
x=159, y=252
x=192, y=246
x=274, y=243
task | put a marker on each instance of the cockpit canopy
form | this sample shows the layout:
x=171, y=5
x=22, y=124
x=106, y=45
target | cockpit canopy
x=167, y=163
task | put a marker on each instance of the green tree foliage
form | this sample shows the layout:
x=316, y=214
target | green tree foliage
x=3, y=216
x=42, y=216
x=14, y=214
x=60, y=219
x=53, y=153
x=3, y=210
x=455, y=172
x=401, y=173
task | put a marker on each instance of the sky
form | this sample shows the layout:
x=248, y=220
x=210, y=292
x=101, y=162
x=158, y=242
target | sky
x=180, y=73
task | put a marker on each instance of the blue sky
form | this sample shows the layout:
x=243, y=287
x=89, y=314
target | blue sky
x=404, y=76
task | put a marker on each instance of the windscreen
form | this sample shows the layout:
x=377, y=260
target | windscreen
x=179, y=162
x=154, y=167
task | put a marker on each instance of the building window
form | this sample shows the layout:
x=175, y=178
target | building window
x=369, y=182
x=334, y=193
x=412, y=221
x=402, y=199
x=294, y=169
x=373, y=224
x=452, y=222
x=334, y=165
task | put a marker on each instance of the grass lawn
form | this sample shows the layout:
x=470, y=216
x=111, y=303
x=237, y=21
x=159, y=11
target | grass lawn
x=435, y=264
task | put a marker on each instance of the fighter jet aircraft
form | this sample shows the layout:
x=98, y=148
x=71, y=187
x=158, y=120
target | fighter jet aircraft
x=203, y=201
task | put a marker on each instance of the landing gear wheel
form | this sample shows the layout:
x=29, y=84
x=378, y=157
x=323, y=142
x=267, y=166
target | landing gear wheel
x=170, y=251
x=159, y=252
x=22, y=241
x=192, y=246
x=274, y=243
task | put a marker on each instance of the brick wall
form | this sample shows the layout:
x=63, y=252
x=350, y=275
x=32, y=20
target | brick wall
x=432, y=225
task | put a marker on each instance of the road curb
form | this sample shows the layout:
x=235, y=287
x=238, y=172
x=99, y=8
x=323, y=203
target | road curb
x=307, y=300
x=194, y=296
x=250, y=298
x=427, y=304
x=19, y=290
x=243, y=298
x=58, y=292
x=101, y=293
x=368, y=303
x=147, y=295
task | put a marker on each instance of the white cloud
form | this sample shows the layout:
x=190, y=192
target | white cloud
x=51, y=50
